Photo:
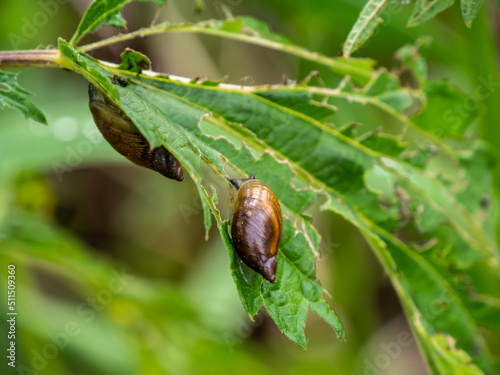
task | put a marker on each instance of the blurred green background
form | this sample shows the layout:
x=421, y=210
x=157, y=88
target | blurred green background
x=114, y=275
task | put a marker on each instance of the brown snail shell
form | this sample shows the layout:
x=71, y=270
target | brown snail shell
x=124, y=137
x=256, y=226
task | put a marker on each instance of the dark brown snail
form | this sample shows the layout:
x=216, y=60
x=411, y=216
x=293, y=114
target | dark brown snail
x=123, y=135
x=256, y=226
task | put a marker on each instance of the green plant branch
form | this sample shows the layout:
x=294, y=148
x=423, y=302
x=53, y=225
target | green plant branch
x=34, y=58
x=206, y=27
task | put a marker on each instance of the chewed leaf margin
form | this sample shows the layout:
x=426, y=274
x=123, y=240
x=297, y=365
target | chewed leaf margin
x=296, y=263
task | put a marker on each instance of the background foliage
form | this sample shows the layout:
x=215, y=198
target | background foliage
x=68, y=221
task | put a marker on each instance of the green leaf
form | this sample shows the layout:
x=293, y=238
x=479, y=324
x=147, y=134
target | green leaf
x=365, y=25
x=300, y=101
x=470, y=8
x=425, y=9
x=410, y=58
x=134, y=61
x=383, y=143
x=486, y=311
x=380, y=183
x=100, y=13
x=14, y=96
x=452, y=107
x=247, y=282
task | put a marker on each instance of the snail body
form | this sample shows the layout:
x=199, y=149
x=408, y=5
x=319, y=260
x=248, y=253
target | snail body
x=121, y=133
x=256, y=226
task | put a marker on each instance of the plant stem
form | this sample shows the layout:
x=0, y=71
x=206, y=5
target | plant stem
x=34, y=58
x=337, y=65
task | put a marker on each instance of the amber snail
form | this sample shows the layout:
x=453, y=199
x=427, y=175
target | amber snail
x=256, y=226
x=121, y=133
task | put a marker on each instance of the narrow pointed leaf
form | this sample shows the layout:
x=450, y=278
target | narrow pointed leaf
x=425, y=10
x=365, y=25
x=470, y=8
